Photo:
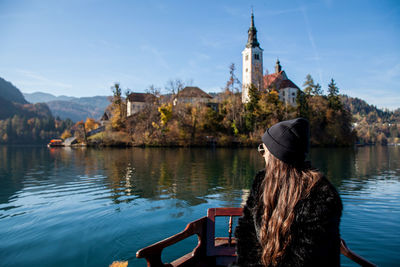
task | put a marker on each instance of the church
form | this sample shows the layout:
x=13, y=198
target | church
x=252, y=65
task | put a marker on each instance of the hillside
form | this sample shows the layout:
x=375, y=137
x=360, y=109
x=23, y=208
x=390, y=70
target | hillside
x=73, y=108
x=373, y=125
x=12, y=102
x=24, y=123
x=11, y=93
x=40, y=97
x=76, y=111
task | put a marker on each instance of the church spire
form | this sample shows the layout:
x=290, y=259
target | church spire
x=278, y=66
x=252, y=40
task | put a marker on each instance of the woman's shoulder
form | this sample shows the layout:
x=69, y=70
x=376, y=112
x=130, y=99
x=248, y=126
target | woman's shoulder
x=325, y=191
x=323, y=202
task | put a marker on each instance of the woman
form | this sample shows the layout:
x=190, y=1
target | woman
x=292, y=215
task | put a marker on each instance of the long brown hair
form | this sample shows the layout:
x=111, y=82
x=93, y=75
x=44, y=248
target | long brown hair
x=282, y=188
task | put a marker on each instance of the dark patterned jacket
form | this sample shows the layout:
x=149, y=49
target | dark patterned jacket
x=315, y=229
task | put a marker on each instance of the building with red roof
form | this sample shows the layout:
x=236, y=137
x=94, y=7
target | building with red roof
x=282, y=84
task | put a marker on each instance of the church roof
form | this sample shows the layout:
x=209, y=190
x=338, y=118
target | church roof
x=193, y=91
x=288, y=84
x=141, y=97
x=272, y=78
x=279, y=81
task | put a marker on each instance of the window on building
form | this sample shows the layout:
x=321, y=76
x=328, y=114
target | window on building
x=256, y=56
x=283, y=93
x=247, y=57
x=293, y=94
x=247, y=69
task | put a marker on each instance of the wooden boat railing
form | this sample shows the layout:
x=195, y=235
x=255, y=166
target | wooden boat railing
x=211, y=250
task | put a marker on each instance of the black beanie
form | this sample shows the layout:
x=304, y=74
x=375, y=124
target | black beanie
x=288, y=140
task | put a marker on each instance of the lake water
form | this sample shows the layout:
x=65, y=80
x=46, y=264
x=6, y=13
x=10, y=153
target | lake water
x=89, y=207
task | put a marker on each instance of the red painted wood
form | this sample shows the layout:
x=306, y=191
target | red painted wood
x=210, y=249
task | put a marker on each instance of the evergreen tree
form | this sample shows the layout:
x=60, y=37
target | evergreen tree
x=333, y=90
x=333, y=96
x=254, y=97
x=317, y=90
x=251, y=107
x=302, y=105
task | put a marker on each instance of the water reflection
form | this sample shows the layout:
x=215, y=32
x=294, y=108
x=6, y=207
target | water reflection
x=124, y=199
x=184, y=174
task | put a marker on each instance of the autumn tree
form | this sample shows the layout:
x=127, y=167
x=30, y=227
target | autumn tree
x=66, y=134
x=91, y=124
x=80, y=131
x=174, y=86
x=308, y=85
x=118, y=108
x=231, y=107
x=310, y=88
x=233, y=83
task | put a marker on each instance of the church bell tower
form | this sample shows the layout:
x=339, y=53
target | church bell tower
x=252, y=63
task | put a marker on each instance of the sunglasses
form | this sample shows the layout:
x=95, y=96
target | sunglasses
x=261, y=149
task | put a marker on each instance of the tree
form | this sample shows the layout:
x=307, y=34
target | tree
x=233, y=82
x=302, y=105
x=165, y=113
x=317, y=90
x=333, y=96
x=174, y=86
x=153, y=90
x=310, y=88
x=308, y=85
x=91, y=124
x=333, y=90
x=118, y=109
x=254, y=97
x=66, y=134
x=80, y=131
x=252, y=107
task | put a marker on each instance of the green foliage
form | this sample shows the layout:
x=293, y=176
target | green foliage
x=252, y=108
x=317, y=90
x=22, y=130
x=333, y=96
x=303, y=109
x=232, y=122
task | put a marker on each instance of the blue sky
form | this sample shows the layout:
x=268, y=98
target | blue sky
x=80, y=48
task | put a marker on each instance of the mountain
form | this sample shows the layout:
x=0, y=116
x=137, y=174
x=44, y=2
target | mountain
x=360, y=109
x=12, y=102
x=40, y=97
x=74, y=108
x=11, y=93
x=78, y=111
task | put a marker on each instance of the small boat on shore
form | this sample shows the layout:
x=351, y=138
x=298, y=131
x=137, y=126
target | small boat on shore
x=212, y=250
x=55, y=143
